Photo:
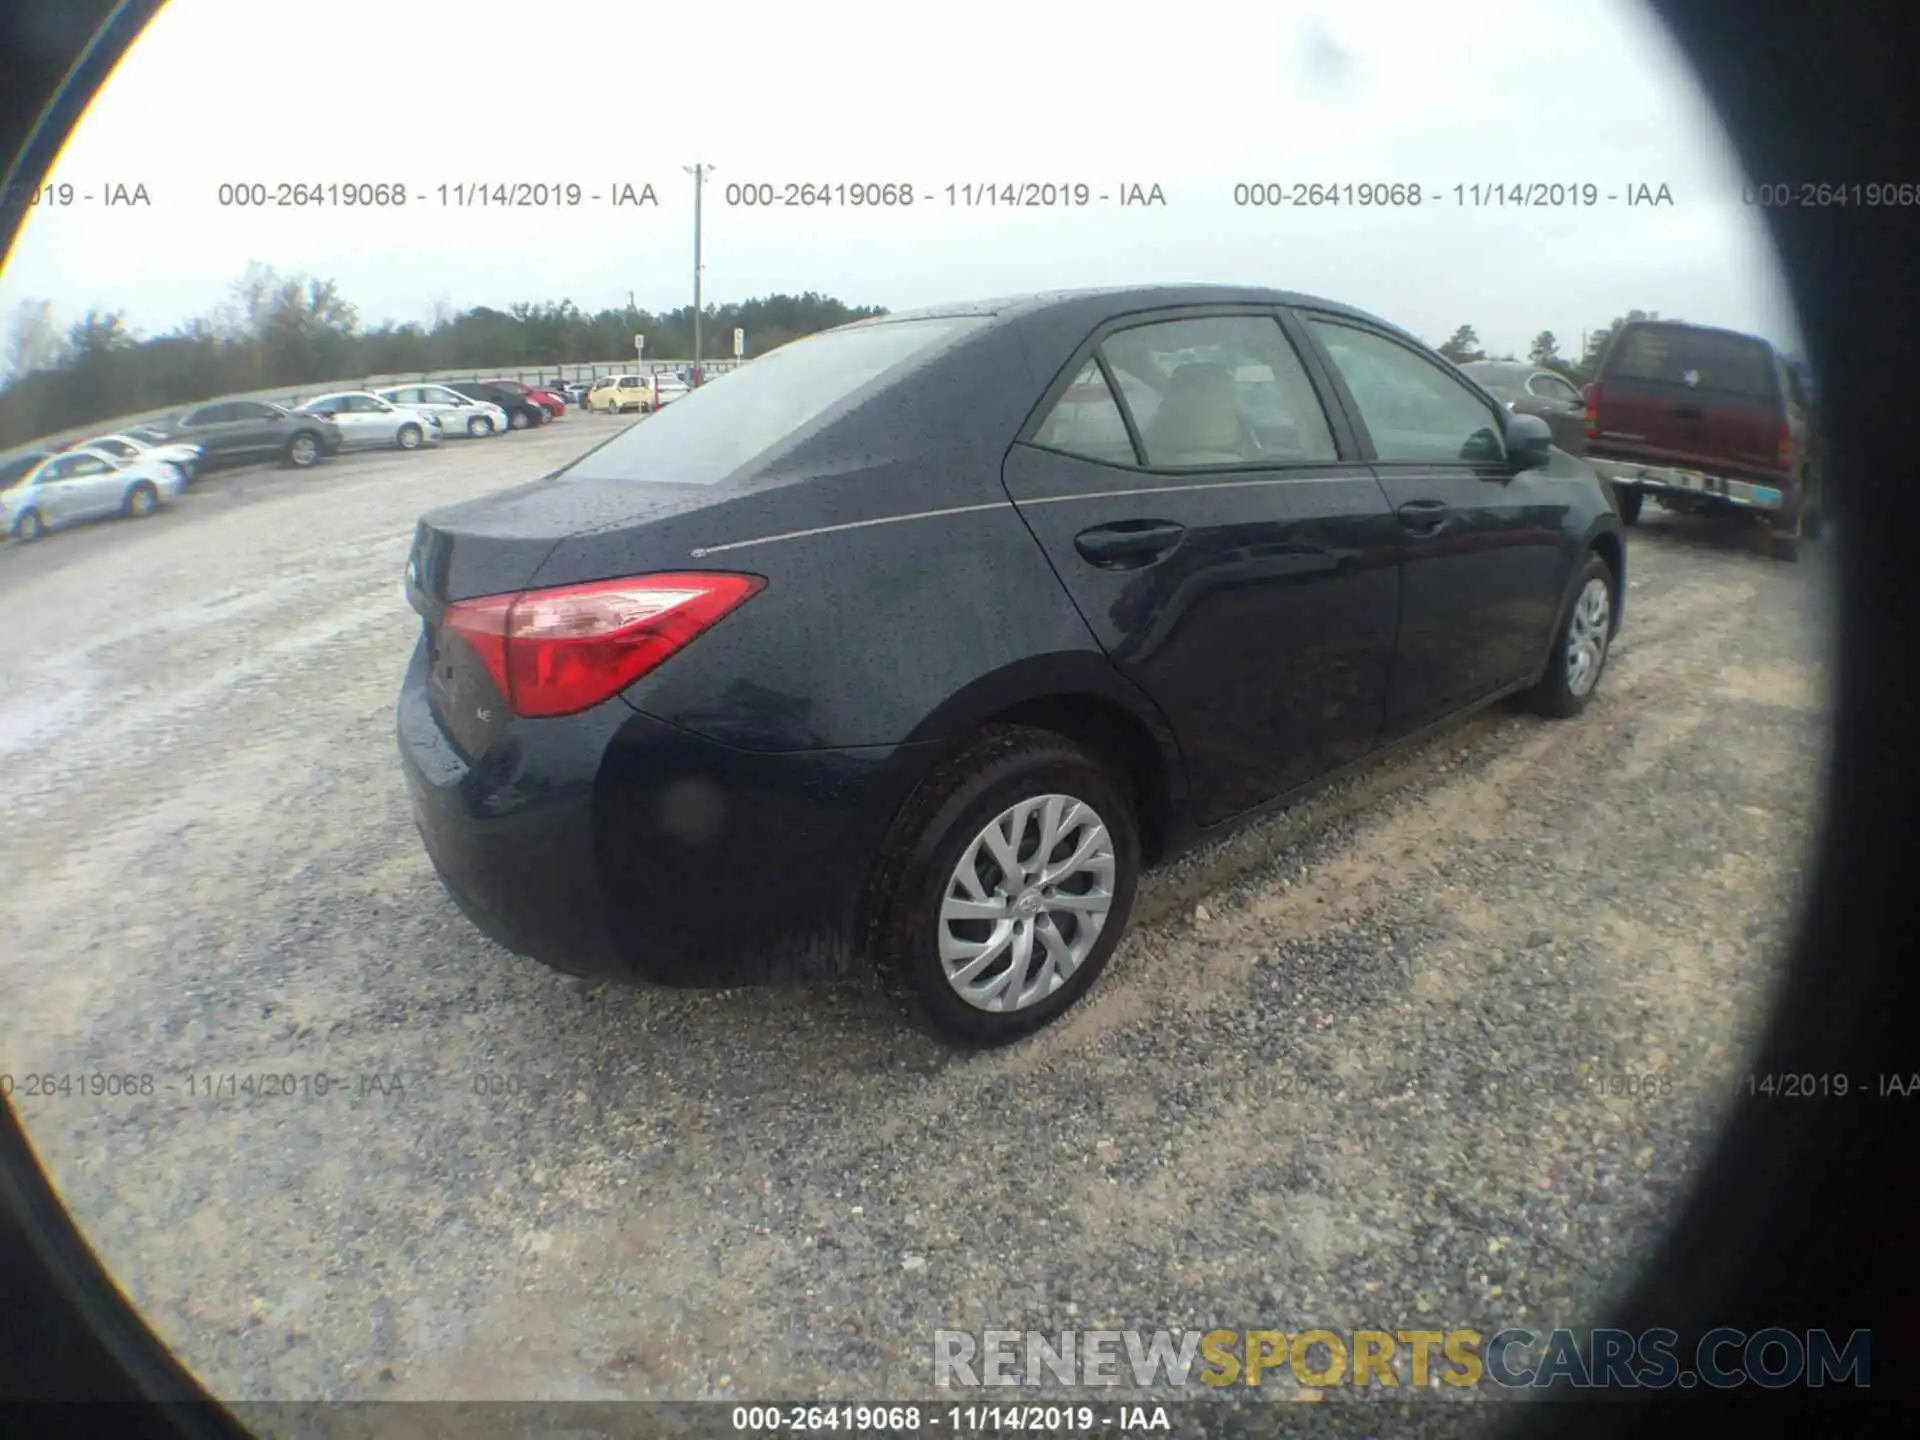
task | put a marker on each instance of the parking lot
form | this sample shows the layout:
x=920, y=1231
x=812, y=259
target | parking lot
x=1443, y=1045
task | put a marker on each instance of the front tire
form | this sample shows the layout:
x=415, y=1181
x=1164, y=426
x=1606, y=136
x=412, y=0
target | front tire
x=142, y=500
x=1004, y=887
x=409, y=437
x=479, y=427
x=1580, y=651
x=303, y=452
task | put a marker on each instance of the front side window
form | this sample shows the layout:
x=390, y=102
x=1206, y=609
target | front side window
x=1218, y=390
x=710, y=433
x=1086, y=421
x=1412, y=408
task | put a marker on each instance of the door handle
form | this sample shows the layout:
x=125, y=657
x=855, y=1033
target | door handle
x=1128, y=543
x=1426, y=518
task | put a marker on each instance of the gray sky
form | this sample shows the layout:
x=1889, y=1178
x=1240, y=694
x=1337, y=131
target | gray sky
x=1195, y=99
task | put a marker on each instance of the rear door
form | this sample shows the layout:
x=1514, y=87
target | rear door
x=97, y=486
x=1481, y=559
x=1229, y=551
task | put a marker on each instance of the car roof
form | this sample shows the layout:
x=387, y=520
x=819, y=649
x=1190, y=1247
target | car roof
x=1499, y=367
x=1697, y=329
x=1120, y=298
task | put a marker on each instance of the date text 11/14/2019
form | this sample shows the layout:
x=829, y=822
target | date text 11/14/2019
x=1483, y=195
x=201, y=1085
x=953, y=1419
x=1057, y=194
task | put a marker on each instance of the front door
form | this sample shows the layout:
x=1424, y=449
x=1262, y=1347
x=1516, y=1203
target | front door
x=1482, y=553
x=1188, y=487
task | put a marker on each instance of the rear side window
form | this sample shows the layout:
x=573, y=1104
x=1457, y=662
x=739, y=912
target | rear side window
x=708, y=434
x=1218, y=390
x=1086, y=421
x=1696, y=359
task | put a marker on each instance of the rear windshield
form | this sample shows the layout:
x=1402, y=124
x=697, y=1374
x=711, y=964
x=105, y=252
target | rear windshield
x=714, y=430
x=1699, y=359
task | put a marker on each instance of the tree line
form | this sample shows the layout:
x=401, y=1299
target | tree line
x=299, y=330
x=1463, y=347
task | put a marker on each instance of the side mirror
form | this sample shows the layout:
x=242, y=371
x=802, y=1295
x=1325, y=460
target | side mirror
x=1529, y=442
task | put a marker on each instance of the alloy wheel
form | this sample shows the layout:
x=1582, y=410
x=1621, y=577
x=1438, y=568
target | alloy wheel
x=1026, y=903
x=1587, y=636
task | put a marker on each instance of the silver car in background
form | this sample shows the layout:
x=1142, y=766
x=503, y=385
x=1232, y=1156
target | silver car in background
x=458, y=414
x=369, y=421
x=76, y=486
x=131, y=445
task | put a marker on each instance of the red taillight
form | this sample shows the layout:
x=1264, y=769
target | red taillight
x=1785, y=456
x=561, y=651
x=1592, y=396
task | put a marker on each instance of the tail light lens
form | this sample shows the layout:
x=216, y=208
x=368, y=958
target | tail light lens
x=1592, y=396
x=560, y=651
x=1785, y=456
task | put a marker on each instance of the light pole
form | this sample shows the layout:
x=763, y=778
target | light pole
x=699, y=173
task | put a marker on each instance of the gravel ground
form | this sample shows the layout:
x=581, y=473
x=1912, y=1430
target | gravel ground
x=1357, y=1066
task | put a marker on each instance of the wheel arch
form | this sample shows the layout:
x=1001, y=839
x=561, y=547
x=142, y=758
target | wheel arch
x=1611, y=546
x=1080, y=696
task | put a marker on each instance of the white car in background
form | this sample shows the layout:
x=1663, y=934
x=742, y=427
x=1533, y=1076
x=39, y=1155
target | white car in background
x=458, y=414
x=670, y=388
x=131, y=445
x=367, y=420
x=76, y=486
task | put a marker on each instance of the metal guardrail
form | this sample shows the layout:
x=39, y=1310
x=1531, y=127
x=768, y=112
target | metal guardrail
x=291, y=395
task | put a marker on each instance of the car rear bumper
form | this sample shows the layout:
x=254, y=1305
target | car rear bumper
x=1714, y=489
x=614, y=845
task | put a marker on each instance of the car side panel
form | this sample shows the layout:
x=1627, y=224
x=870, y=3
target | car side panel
x=916, y=609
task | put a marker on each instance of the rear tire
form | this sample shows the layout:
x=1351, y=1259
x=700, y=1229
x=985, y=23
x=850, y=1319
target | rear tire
x=936, y=856
x=518, y=420
x=29, y=527
x=1581, y=647
x=142, y=500
x=1631, y=498
x=1813, y=506
x=1790, y=528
